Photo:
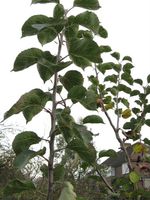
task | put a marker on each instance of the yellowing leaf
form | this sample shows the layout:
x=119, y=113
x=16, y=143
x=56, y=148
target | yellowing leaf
x=67, y=192
x=126, y=113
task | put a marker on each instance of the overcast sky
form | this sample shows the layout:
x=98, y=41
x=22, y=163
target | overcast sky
x=127, y=22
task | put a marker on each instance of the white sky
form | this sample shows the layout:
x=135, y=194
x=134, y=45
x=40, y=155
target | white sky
x=128, y=25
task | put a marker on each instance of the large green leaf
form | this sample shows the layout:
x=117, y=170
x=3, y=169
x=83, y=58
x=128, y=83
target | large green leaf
x=45, y=1
x=72, y=78
x=71, y=28
x=92, y=119
x=88, y=20
x=31, y=103
x=18, y=186
x=88, y=4
x=24, y=140
x=58, y=11
x=81, y=132
x=67, y=192
x=35, y=24
x=65, y=121
x=89, y=102
x=47, y=68
x=77, y=93
x=85, y=48
x=134, y=177
x=107, y=153
x=47, y=35
x=27, y=58
x=23, y=158
x=86, y=152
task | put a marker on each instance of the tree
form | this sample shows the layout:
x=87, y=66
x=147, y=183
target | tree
x=75, y=40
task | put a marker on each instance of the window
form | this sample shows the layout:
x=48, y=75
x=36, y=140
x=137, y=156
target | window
x=146, y=183
x=125, y=168
x=110, y=171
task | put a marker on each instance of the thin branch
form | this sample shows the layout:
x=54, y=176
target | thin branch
x=61, y=149
x=104, y=180
x=63, y=58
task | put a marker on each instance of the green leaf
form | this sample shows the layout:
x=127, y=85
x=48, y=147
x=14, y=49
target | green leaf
x=105, y=66
x=23, y=158
x=128, y=58
x=65, y=123
x=136, y=111
x=34, y=24
x=59, y=172
x=89, y=102
x=18, y=186
x=44, y=170
x=134, y=93
x=127, y=77
x=24, y=140
x=67, y=192
x=44, y=1
x=125, y=102
x=88, y=4
x=27, y=58
x=127, y=68
x=77, y=93
x=105, y=49
x=117, y=67
x=124, y=88
x=146, y=141
x=147, y=108
x=138, y=81
x=72, y=78
x=127, y=125
x=148, y=78
x=80, y=61
x=86, y=152
x=71, y=28
x=47, y=35
x=47, y=68
x=84, y=48
x=134, y=177
x=102, y=32
x=58, y=11
x=59, y=89
x=88, y=20
x=112, y=78
x=107, y=153
x=31, y=103
x=116, y=55
x=85, y=34
x=147, y=122
x=93, y=119
x=82, y=133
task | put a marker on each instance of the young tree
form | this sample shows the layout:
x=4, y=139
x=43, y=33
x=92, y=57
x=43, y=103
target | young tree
x=75, y=38
x=73, y=35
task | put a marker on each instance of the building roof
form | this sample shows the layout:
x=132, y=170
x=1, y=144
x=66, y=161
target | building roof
x=119, y=159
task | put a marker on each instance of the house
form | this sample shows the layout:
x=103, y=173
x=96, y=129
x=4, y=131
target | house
x=117, y=167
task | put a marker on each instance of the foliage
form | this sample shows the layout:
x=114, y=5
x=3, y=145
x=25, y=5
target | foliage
x=111, y=84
